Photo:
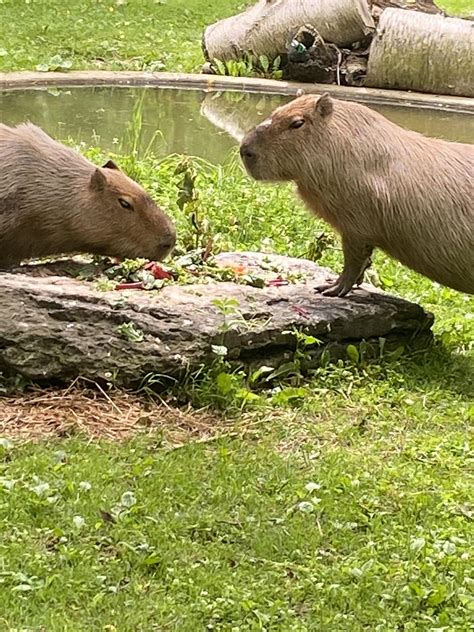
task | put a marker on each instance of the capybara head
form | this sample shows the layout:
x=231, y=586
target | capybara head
x=277, y=149
x=125, y=222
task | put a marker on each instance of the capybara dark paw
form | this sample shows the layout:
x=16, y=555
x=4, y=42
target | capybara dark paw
x=339, y=288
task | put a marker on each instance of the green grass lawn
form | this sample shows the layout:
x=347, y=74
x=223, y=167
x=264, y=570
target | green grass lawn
x=116, y=34
x=343, y=505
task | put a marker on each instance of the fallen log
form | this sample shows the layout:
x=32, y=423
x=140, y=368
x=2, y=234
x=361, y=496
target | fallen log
x=267, y=27
x=424, y=6
x=422, y=52
x=59, y=328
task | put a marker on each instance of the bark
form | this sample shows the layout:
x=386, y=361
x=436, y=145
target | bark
x=67, y=329
x=421, y=52
x=267, y=27
x=425, y=6
x=318, y=62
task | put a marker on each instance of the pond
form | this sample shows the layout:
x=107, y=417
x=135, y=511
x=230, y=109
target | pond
x=180, y=121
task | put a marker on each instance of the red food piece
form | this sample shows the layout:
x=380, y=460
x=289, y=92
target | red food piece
x=277, y=282
x=157, y=271
x=300, y=310
x=138, y=285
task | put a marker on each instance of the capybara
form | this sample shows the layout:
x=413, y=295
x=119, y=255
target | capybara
x=377, y=184
x=54, y=201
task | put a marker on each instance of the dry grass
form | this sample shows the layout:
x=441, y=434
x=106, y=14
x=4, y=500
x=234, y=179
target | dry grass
x=115, y=415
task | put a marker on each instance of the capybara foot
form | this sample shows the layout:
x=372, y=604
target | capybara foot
x=339, y=288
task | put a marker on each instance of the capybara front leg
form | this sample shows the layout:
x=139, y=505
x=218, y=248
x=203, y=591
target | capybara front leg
x=357, y=258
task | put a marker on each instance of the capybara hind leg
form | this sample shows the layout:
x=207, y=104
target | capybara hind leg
x=357, y=258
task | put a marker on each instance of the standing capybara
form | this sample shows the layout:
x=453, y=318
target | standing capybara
x=377, y=184
x=54, y=201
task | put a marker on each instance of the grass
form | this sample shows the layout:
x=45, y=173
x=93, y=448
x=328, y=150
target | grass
x=342, y=505
x=116, y=34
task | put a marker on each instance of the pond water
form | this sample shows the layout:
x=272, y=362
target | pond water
x=180, y=121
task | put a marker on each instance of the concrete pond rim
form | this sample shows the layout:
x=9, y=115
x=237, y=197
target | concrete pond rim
x=217, y=83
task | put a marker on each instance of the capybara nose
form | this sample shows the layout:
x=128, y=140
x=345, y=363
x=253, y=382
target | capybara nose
x=246, y=153
x=169, y=241
x=167, y=244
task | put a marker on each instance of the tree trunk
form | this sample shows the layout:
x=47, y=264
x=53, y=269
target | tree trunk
x=421, y=52
x=425, y=6
x=267, y=27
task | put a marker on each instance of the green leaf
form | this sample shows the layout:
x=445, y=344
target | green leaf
x=353, y=353
x=263, y=370
x=285, y=369
x=219, y=350
x=153, y=559
x=220, y=67
x=264, y=62
x=225, y=382
x=22, y=588
x=6, y=444
x=417, y=544
x=289, y=394
x=325, y=358
x=78, y=522
x=397, y=353
x=438, y=595
x=128, y=499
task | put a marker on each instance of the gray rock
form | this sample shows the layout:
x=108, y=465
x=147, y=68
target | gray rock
x=57, y=327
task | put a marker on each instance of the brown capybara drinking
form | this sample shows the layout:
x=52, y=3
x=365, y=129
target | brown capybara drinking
x=377, y=184
x=54, y=201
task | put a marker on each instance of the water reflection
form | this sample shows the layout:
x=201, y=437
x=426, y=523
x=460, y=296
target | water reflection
x=188, y=121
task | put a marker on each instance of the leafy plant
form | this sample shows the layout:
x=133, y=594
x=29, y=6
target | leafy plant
x=249, y=66
x=56, y=62
x=131, y=332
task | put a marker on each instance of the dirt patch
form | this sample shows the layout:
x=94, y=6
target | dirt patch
x=96, y=414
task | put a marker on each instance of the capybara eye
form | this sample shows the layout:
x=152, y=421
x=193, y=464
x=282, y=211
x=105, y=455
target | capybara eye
x=297, y=123
x=124, y=204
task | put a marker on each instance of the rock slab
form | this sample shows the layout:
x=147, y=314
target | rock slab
x=58, y=328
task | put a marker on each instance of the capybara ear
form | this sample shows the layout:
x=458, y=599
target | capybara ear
x=110, y=164
x=324, y=105
x=98, y=181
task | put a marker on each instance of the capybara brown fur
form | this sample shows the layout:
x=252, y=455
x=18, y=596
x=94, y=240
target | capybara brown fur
x=378, y=185
x=54, y=201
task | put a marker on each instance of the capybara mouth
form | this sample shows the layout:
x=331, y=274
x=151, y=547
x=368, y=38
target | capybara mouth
x=253, y=171
x=252, y=168
x=163, y=252
x=166, y=247
x=249, y=158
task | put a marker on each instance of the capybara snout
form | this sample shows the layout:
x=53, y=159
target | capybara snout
x=377, y=184
x=54, y=201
